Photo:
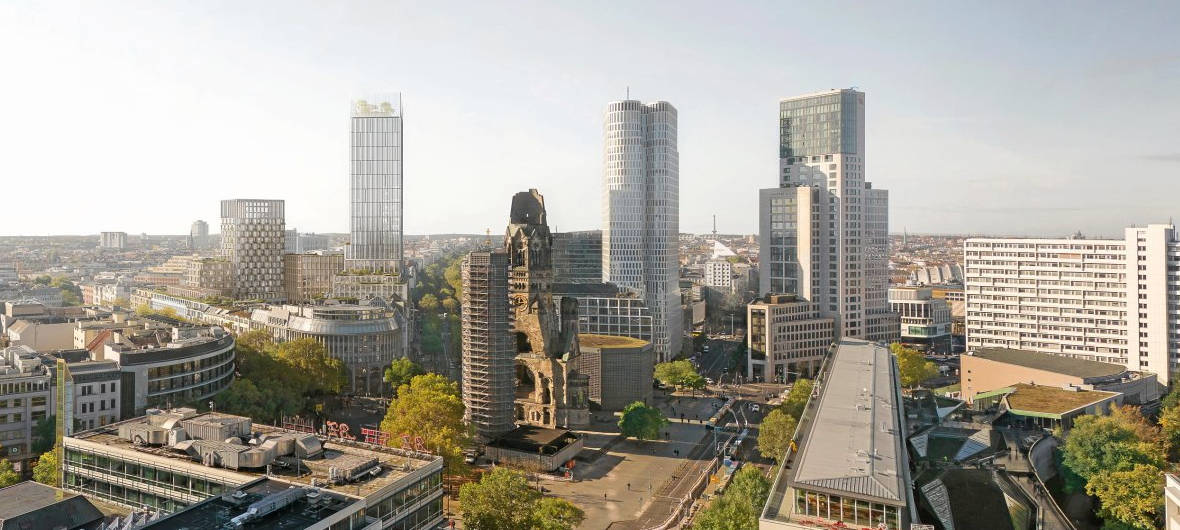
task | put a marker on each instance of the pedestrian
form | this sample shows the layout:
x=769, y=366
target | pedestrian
x=628, y=486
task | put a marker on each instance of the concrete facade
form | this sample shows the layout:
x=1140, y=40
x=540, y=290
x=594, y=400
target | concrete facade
x=252, y=238
x=924, y=319
x=1109, y=300
x=621, y=369
x=787, y=338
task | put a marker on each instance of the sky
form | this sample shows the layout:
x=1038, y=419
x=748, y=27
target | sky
x=1022, y=118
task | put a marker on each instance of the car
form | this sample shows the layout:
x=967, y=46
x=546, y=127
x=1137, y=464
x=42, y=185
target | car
x=754, y=407
x=709, y=380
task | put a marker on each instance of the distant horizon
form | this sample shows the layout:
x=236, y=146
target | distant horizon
x=1005, y=117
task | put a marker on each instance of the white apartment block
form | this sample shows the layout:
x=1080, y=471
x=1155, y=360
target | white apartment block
x=641, y=212
x=116, y=240
x=823, y=233
x=252, y=237
x=1110, y=300
x=719, y=274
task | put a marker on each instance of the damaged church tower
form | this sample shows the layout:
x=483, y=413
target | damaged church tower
x=549, y=392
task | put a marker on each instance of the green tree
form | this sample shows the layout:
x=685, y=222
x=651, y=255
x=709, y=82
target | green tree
x=676, y=373
x=1172, y=398
x=46, y=471
x=774, y=434
x=308, y=358
x=641, y=421
x=401, y=371
x=796, y=399
x=44, y=434
x=1116, y=442
x=42, y=280
x=912, y=365
x=552, y=513
x=70, y=294
x=430, y=407
x=1170, y=430
x=738, y=508
x=428, y=303
x=453, y=275
x=1130, y=497
x=8, y=476
x=501, y=499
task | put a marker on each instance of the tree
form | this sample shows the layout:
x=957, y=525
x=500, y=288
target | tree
x=504, y=499
x=8, y=476
x=739, y=506
x=641, y=421
x=912, y=365
x=677, y=373
x=1131, y=497
x=401, y=371
x=70, y=294
x=775, y=433
x=1117, y=442
x=428, y=303
x=44, y=434
x=796, y=399
x=46, y=471
x=430, y=407
x=42, y=280
x=309, y=358
x=501, y=499
x=1172, y=398
x=552, y=513
x=453, y=275
x=1170, y=430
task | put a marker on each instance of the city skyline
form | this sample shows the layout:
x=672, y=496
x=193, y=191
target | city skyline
x=940, y=140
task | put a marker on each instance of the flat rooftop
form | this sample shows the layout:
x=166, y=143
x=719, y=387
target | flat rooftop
x=1053, y=400
x=31, y=504
x=1050, y=363
x=218, y=512
x=394, y=463
x=850, y=436
x=609, y=341
x=531, y=438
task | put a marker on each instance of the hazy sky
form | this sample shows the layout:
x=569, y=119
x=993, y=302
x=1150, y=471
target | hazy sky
x=987, y=117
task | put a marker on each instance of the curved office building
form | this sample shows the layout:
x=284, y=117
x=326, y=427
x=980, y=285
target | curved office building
x=641, y=212
x=367, y=337
x=193, y=365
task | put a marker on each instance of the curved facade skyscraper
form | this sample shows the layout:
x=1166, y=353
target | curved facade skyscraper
x=641, y=212
x=375, y=187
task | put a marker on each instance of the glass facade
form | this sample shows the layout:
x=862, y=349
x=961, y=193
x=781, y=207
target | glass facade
x=375, y=214
x=137, y=484
x=847, y=510
x=818, y=125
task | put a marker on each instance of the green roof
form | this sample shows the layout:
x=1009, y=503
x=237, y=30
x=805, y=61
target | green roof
x=1050, y=401
x=1050, y=362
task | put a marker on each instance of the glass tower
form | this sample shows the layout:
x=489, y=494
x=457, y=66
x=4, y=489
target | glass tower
x=375, y=187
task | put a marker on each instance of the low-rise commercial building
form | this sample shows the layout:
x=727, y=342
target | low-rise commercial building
x=786, y=338
x=986, y=369
x=31, y=505
x=1047, y=407
x=206, y=468
x=606, y=309
x=925, y=320
x=851, y=467
x=26, y=397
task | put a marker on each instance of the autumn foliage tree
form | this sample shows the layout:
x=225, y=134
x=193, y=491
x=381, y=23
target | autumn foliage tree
x=431, y=408
x=1117, y=458
x=912, y=365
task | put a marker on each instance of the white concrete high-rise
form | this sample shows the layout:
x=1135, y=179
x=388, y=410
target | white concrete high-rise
x=641, y=212
x=824, y=232
x=1109, y=300
x=375, y=186
x=252, y=235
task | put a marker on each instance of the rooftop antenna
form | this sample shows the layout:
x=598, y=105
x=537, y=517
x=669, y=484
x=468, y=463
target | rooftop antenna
x=628, y=91
x=714, y=225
